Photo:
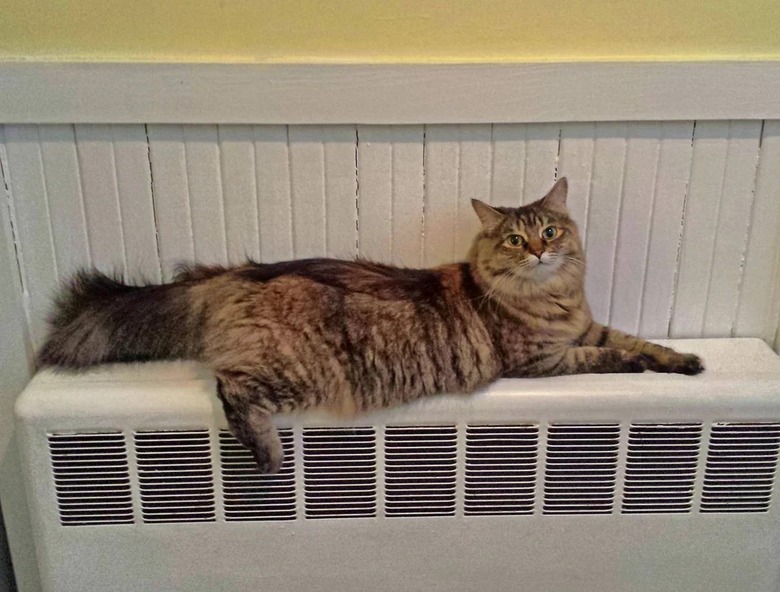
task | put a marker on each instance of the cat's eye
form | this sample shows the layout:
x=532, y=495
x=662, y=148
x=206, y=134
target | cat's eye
x=514, y=240
x=550, y=232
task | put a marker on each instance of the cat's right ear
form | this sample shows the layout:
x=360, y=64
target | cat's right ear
x=489, y=217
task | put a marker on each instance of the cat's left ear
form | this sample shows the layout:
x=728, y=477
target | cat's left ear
x=556, y=197
x=489, y=217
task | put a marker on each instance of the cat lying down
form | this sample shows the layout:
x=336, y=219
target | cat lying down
x=352, y=336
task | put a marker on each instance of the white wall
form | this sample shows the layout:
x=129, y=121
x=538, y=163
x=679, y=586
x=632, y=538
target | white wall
x=681, y=221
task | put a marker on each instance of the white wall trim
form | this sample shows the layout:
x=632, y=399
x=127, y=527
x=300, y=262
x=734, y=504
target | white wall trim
x=32, y=92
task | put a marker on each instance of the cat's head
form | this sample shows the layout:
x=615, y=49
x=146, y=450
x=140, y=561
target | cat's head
x=537, y=245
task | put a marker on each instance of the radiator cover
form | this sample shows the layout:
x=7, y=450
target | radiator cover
x=602, y=483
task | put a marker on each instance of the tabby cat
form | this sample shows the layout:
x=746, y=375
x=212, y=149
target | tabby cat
x=350, y=336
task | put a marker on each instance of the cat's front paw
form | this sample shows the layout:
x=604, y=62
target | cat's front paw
x=689, y=364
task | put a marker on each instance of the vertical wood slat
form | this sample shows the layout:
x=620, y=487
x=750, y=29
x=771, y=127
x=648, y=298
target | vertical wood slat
x=272, y=166
x=758, y=309
x=136, y=202
x=30, y=209
x=604, y=214
x=723, y=174
x=206, y=201
x=541, y=159
x=322, y=164
x=442, y=169
x=639, y=188
x=239, y=192
x=390, y=179
x=171, y=196
x=576, y=164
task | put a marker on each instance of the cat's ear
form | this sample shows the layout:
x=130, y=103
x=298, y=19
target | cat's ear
x=556, y=197
x=489, y=217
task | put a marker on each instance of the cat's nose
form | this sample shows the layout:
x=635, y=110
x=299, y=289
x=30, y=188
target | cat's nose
x=538, y=252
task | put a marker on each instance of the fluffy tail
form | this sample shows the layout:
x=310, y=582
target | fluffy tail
x=97, y=320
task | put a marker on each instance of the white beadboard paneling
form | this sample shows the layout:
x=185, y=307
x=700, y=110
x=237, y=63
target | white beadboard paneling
x=644, y=194
x=541, y=159
x=473, y=182
x=30, y=209
x=272, y=165
x=171, y=196
x=239, y=191
x=307, y=176
x=134, y=185
x=390, y=181
x=671, y=185
x=603, y=215
x=102, y=205
x=340, y=186
x=641, y=172
x=759, y=299
x=508, y=164
x=204, y=182
x=576, y=164
x=708, y=166
x=731, y=232
x=66, y=204
x=376, y=152
x=725, y=157
x=442, y=169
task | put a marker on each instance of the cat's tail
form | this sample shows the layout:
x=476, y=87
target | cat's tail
x=98, y=320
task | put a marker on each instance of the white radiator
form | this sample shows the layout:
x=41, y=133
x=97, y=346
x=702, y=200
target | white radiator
x=583, y=483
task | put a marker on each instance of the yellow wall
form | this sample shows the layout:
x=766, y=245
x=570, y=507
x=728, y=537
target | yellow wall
x=389, y=30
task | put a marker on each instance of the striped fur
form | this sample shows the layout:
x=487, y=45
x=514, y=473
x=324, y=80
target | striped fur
x=351, y=336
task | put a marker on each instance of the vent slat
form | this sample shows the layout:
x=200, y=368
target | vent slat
x=500, y=469
x=91, y=478
x=661, y=468
x=339, y=466
x=249, y=495
x=581, y=468
x=175, y=476
x=740, y=470
x=420, y=469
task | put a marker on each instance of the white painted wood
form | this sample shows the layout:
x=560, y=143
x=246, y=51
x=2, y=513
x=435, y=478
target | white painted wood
x=239, y=192
x=66, y=204
x=576, y=164
x=204, y=181
x=736, y=202
x=376, y=179
x=387, y=93
x=508, y=164
x=603, y=215
x=171, y=196
x=408, y=187
x=759, y=308
x=541, y=160
x=340, y=190
x=307, y=169
x=708, y=166
x=30, y=209
x=390, y=181
x=134, y=183
x=674, y=165
x=272, y=166
x=442, y=170
x=473, y=182
x=640, y=175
